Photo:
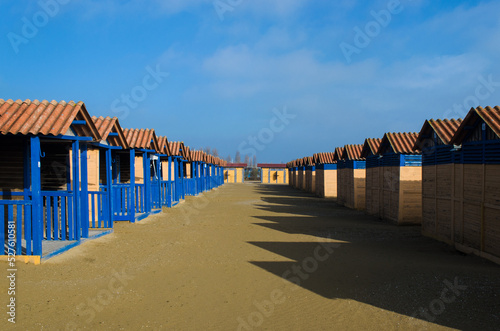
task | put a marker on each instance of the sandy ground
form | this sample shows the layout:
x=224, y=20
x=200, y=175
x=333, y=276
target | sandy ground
x=254, y=257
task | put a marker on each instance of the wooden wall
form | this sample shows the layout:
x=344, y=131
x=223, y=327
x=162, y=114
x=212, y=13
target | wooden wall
x=326, y=183
x=351, y=188
x=310, y=181
x=139, y=169
x=395, y=194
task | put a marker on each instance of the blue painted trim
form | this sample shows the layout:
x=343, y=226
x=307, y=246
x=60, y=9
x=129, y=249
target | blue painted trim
x=327, y=166
x=76, y=190
x=84, y=191
x=79, y=122
x=131, y=195
x=36, y=188
x=109, y=186
x=75, y=244
x=113, y=134
x=105, y=146
x=73, y=138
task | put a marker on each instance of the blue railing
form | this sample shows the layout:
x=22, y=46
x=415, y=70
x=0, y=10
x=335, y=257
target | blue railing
x=58, y=217
x=121, y=205
x=140, y=201
x=166, y=193
x=190, y=186
x=16, y=225
x=99, y=209
x=155, y=195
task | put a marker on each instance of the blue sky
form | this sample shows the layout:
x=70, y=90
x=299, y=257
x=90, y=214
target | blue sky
x=217, y=73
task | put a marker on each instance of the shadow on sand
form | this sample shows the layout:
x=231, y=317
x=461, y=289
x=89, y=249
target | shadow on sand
x=377, y=263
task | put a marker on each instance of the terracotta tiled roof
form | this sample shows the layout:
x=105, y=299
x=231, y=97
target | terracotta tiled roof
x=163, y=145
x=271, y=165
x=352, y=152
x=401, y=142
x=491, y=116
x=307, y=161
x=324, y=158
x=176, y=148
x=186, y=153
x=338, y=153
x=236, y=165
x=142, y=138
x=106, y=125
x=445, y=130
x=370, y=146
x=45, y=118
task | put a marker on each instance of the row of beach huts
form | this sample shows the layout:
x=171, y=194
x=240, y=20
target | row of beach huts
x=445, y=178
x=66, y=176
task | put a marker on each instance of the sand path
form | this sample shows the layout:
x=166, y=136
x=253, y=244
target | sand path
x=218, y=262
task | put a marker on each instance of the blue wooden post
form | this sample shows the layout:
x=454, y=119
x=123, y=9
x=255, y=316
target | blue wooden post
x=131, y=191
x=169, y=190
x=76, y=190
x=147, y=181
x=183, y=194
x=176, y=179
x=84, y=194
x=36, y=196
x=109, y=187
x=158, y=179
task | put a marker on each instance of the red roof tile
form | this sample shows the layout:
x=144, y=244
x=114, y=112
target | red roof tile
x=445, y=130
x=236, y=165
x=142, y=138
x=324, y=158
x=45, y=118
x=338, y=153
x=163, y=145
x=370, y=147
x=491, y=116
x=271, y=165
x=106, y=125
x=401, y=143
x=352, y=152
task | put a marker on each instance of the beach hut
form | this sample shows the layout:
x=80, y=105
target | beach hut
x=351, y=177
x=234, y=173
x=198, y=158
x=374, y=177
x=273, y=173
x=178, y=158
x=310, y=175
x=326, y=175
x=106, y=173
x=166, y=172
x=476, y=188
x=301, y=174
x=400, y=179
x=144, y=176
x=293, y=173
x=438, y=168
x=43, y=176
